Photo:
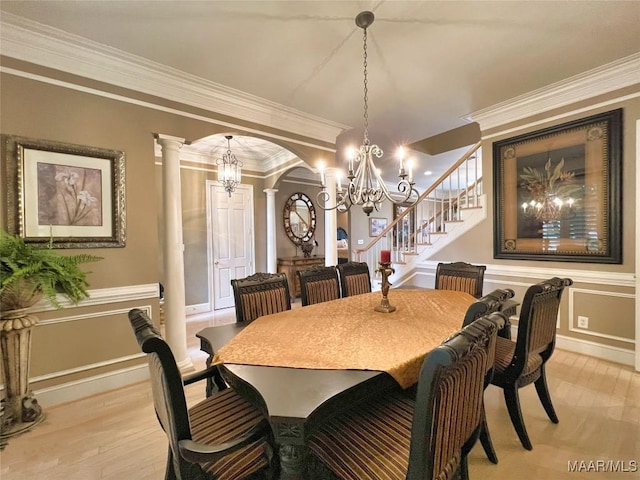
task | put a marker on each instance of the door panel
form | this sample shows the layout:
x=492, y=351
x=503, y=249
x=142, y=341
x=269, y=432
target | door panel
x=231, y=240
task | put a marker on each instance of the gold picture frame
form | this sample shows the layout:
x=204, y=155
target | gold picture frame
x=558, y=192
x=70, y=195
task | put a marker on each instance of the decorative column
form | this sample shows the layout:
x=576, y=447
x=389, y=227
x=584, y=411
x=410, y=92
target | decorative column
x=271, y=230
x=331, y=221
x=173, y=251
x=20, y=410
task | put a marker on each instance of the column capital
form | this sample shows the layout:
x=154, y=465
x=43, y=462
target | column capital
x=169, y=140
x=270, y=191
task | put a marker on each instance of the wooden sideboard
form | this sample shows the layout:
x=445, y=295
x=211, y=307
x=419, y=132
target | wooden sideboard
x=290, y=265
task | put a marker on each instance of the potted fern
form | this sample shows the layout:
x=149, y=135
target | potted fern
x=27, y=274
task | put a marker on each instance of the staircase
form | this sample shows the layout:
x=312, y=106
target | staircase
x=451, y=206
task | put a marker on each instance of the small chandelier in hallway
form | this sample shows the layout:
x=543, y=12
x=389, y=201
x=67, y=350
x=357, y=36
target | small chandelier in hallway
x=229, y=169
x=366, y=186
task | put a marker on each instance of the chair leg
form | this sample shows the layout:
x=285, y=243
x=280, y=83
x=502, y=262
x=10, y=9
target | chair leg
x=513, y=406
x=485, y=439
x=543, y=395
x=464, y=468
x=170, y=473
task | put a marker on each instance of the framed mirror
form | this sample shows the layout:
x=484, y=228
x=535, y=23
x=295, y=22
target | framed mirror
x=299, y=218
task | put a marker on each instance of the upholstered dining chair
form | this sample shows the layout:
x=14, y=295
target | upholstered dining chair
x=260, y=294
x=318, y=284
x=522, y=362
x=355, y=278
x=490, y=303
x=460, y=276
x=221, y=437
x=396, y=437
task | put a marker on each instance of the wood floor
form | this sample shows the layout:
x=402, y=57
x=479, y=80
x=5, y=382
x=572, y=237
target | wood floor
x=116, y=436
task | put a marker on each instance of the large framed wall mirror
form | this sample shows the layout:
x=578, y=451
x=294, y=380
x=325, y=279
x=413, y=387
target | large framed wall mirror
x=299, y=218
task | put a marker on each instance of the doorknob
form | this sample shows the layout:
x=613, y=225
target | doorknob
x=216, y=262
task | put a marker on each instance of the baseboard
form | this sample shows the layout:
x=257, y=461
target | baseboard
x=592, y=349
x=70, y=391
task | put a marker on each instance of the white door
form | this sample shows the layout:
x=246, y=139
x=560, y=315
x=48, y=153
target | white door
x=231, y=252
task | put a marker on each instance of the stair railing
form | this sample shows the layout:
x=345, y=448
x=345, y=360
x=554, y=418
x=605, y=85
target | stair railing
x=460, y=187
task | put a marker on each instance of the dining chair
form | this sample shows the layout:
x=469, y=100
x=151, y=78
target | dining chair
x=221, y=437
x=490, y=303
x=522, y=362
x=318, y=284
x=460, y=276
x=260, y=294
x=355, y=278
x=396, y=437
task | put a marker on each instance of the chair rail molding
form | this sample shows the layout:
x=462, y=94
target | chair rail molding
x=104, y=296
x=540, y=273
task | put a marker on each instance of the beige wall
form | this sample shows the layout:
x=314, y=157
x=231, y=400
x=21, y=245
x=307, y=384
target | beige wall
x=85, y=341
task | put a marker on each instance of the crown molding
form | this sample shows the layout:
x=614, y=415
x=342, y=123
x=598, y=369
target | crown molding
x=606, y=78
x=40, y=44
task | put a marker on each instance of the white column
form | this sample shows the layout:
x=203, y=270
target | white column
x=173, y=251
x=271, y=230
x=331, y=220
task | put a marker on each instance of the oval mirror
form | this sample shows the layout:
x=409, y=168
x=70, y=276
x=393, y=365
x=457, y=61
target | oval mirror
x=299, y=218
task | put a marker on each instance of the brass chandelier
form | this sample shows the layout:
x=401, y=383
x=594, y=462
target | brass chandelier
x=365, y=184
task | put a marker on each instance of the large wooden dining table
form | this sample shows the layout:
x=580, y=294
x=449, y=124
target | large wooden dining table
x=304, y=365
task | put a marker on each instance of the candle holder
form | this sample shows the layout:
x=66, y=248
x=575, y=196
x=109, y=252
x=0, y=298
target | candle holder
x=385, y=270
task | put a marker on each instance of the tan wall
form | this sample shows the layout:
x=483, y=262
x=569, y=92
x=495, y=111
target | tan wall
x=610, y=308
x=80, y=342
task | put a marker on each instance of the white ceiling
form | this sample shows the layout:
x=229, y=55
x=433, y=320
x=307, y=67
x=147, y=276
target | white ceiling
x=431, y=63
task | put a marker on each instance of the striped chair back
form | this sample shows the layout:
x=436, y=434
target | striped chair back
x=393, y=436
x=260, y=294
x=461, y=277
x=538, y=318
x=355, y=278
x=318, y=284
x=449, y=402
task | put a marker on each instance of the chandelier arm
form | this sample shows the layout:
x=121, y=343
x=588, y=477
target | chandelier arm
x=323, y=197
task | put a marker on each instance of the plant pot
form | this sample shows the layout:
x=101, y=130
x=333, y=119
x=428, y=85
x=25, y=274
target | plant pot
x=21, y=410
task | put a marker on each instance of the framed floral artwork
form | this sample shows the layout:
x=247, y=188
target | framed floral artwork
x=70, y=195
x=558, y=192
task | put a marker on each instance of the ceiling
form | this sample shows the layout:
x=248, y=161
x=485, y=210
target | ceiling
x=430, y=63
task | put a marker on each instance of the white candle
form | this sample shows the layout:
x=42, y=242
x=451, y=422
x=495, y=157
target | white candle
x=401, y=155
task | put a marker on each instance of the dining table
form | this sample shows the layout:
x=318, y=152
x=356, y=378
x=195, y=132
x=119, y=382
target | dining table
x=302, y=366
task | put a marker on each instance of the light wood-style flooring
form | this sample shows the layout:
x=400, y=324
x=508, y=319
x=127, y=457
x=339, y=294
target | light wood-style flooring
x=115, y=435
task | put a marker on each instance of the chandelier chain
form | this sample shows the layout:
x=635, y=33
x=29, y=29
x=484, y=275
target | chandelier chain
x=366, y=91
